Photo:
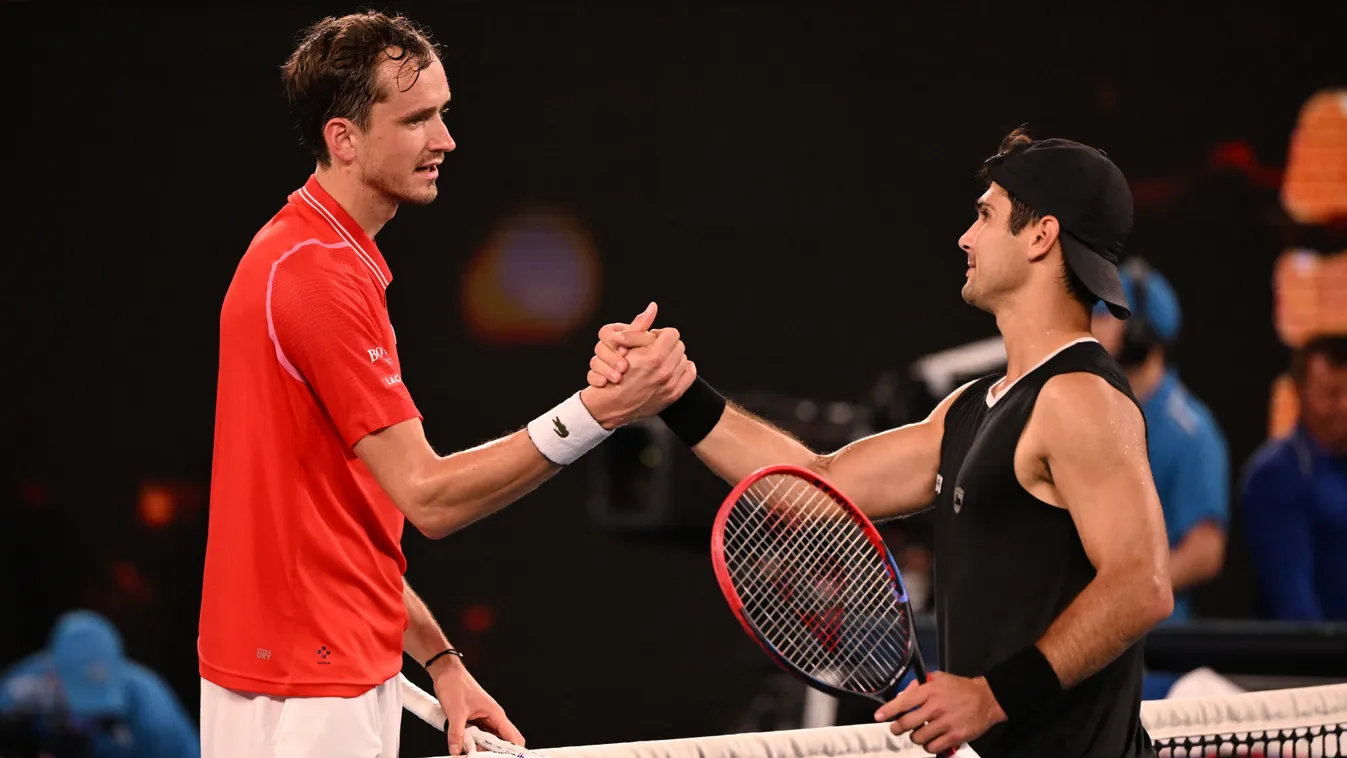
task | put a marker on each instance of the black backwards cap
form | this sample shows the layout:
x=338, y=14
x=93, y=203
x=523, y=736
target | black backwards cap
x=1090, y=199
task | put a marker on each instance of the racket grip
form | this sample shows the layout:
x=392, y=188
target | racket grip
x=923, y=674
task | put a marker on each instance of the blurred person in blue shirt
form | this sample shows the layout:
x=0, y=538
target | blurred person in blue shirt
x=82, y=697
x=1188, y=454
x=1294, y=494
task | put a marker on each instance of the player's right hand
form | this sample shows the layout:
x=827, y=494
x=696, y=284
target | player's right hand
x=615, y=340
x=650, y=378
x=464, y=701
x=609, y=363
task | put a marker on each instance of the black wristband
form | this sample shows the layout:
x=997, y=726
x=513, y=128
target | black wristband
x=1023, y=682
x=441, y=654
x=693, y=416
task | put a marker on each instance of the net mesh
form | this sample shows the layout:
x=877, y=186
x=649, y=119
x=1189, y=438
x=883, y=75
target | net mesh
x=813, y=584
x=1294, y=723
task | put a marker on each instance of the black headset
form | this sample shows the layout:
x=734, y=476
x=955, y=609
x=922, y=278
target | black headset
x=1139, y=337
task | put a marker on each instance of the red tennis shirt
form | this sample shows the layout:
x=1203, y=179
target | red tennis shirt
x=302, y=594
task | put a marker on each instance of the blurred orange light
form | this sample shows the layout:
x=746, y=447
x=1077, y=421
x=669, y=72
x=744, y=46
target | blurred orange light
x=1284, y=408
x=1315, y=188
x=1311, y=299
x=1311, y=295
x=534, y=280
x=158, y=504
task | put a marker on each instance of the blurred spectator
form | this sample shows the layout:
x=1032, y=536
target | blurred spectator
x=1188, y=454
x=82, y=697
x=1295, y=494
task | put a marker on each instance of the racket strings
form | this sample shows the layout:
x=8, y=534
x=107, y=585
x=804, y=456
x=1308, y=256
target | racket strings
x=817, y=544
x=834, y=630
x=831, y=633
x=772, y=587
x=813, y=584
x=773, y=528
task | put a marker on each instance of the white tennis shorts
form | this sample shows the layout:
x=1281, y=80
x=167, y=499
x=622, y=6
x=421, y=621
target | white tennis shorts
x=248, y=725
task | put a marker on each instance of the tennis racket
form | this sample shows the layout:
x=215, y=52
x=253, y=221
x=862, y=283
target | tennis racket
x=427, y=708
x=810, y=579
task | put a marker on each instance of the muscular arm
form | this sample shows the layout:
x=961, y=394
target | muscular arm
x=887, y=474
x=1094, y=443
x=441, y=494
x=332, y=334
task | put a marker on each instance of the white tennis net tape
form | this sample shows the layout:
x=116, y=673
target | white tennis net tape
x=1254, y=711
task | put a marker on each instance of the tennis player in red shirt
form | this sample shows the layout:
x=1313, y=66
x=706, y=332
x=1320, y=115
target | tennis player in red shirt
x=319, y=452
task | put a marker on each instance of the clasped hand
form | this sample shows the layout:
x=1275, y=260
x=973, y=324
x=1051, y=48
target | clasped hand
x=636, y=371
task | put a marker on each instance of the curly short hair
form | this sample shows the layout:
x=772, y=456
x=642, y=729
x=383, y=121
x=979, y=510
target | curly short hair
x=334, y=71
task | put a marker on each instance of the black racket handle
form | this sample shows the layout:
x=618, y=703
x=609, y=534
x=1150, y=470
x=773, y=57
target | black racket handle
x=919, y=665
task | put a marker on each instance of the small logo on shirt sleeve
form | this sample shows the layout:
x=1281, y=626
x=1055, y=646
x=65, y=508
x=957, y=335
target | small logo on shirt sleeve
x=375, y=353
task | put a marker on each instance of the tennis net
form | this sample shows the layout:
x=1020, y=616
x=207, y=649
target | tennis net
x=1292, y=723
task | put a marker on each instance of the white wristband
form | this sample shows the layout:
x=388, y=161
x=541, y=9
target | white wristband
x=566, y=432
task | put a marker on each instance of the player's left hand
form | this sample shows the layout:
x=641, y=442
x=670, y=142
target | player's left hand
x=463, y=700
x=944, y=713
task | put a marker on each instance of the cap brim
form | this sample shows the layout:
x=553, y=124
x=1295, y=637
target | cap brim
x=1099, y=274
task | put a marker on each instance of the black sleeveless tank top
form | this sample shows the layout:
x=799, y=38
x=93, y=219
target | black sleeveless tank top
x=1007, y=564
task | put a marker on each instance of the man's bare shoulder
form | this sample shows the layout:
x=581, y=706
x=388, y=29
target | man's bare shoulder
x=1084, y=389
x=1084, y=408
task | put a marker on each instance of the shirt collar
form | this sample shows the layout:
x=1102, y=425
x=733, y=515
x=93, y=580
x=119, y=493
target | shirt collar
x=315, y=199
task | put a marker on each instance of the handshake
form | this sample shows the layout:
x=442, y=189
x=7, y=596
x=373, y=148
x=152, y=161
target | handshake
x=636, y=371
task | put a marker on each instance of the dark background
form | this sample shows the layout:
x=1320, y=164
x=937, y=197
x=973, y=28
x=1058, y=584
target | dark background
x=788, y=184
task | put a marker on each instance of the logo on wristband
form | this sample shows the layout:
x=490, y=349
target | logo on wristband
x=561, y=429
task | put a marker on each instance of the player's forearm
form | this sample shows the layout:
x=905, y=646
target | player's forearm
x=1113, y=611
x=1198, y=556
x=423, y=637
x=736, y=443
x=740, y=443
x=452, y=492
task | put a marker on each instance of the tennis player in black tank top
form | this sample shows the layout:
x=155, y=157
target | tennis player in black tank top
x=1051, y=556
x=1007, y=561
